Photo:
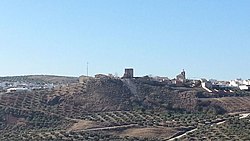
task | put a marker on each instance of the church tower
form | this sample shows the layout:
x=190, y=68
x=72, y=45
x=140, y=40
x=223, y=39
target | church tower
x=183, y=73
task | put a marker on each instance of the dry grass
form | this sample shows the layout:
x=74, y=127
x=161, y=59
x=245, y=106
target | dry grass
x=233, y=104
x=83, y=125
x=147, y=132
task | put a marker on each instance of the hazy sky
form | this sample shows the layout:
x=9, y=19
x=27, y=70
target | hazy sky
x=208, y=38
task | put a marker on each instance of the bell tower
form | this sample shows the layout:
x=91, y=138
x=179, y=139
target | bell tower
x=183, y=73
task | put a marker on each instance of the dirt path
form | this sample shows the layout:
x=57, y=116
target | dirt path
x=130, y=85
x=242, y=116
x=110, y=128
x=184, y=134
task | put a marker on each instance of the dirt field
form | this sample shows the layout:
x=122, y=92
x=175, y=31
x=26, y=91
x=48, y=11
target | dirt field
x=232, y=104
x=159, y=132
x=83, y=125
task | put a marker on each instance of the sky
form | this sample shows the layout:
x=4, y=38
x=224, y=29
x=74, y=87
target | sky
x=207, y=38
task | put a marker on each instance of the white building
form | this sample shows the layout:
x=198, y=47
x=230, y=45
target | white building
x=161, y=79
x=241, y=84
x=10, y=90
x=234, y=83
x=246, y=82
x=244, y=87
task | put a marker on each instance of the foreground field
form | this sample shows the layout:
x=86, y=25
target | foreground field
x=17, y=124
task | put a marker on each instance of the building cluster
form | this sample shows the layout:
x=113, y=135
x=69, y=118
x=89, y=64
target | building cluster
x=181, y=80
x=214, y=85
x=209, y=85
x=239, y=83
x=129, y=74
x=23, y=86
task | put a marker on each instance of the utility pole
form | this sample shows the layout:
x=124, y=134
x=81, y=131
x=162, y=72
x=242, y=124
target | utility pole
x=87, y=69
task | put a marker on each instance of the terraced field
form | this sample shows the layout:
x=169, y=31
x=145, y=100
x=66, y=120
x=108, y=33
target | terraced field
x=232, y=129
x=40, y=79
x=24, y=113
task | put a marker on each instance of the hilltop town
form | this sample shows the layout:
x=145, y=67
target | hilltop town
x=181, y=80
x=34, y=82
x=29, y=83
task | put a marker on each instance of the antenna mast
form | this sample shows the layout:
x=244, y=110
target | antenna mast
x=87, y=69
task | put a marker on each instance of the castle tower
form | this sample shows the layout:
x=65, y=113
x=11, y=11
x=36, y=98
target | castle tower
x=129, y=73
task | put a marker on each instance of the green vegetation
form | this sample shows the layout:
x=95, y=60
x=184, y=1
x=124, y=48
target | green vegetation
x=114, y=109
x=40, y=79
x=232, y=129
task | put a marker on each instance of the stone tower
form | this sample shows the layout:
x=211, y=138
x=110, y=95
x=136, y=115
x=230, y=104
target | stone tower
x=129, y=73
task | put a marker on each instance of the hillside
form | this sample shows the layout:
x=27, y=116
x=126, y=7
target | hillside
x=102, y=95
x=40, y=79
x=117, y=109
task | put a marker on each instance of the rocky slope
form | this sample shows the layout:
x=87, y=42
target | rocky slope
x=98, y=95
